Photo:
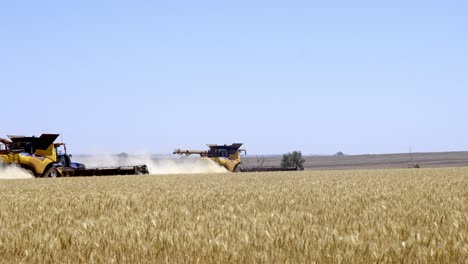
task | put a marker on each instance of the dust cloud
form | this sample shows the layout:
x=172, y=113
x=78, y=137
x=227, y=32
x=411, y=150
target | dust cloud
x=183, y=165
x=13, y=172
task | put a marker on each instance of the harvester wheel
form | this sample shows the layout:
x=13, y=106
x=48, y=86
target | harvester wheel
x=52, y=173
x=237, y=169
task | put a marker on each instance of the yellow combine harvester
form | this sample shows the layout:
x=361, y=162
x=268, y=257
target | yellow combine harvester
x=42, y=158
x=229, y=157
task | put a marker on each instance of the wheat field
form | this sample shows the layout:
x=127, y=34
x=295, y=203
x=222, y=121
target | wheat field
x=367, y=216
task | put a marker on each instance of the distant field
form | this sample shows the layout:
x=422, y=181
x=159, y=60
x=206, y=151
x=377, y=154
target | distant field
x=353, y=216
x=377, y=161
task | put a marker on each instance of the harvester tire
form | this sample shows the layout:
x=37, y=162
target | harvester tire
x=237, y=169
x=52, y=173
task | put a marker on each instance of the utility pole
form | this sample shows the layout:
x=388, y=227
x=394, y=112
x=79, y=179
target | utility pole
x=411, y=156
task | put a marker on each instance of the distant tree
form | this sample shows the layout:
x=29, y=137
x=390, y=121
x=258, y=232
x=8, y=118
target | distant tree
x=123, y=155
x=293, y=159
x=339, y=154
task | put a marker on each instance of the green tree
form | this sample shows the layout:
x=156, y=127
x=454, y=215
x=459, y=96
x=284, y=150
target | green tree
x=293, y=159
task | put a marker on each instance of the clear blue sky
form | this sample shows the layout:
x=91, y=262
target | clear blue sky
x=317, y=76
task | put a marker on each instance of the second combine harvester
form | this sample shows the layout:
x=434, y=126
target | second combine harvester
x=229, y=157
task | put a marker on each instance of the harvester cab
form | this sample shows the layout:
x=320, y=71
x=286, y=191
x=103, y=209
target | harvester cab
x=64, y=159
x=227, y=156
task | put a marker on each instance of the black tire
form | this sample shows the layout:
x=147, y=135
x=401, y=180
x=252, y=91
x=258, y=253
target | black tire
x=51, y=173
x=237, y=169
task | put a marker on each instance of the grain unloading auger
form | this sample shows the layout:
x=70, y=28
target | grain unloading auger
x=229, y=157
x=43, y=158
